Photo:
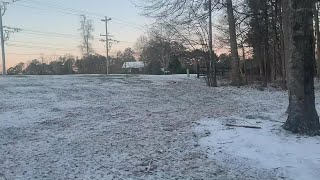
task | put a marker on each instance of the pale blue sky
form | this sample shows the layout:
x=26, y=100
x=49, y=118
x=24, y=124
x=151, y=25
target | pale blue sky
x=62, y=17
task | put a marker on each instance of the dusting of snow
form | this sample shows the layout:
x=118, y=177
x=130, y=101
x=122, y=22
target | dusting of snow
x=270, y=150
x=103, y=127
x=146, y=127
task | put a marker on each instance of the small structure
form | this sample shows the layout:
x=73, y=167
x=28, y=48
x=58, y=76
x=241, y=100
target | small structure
x=136, y=67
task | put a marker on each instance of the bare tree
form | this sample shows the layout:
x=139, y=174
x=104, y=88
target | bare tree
x=303, y=117
x=86, y=29
x=141, y=43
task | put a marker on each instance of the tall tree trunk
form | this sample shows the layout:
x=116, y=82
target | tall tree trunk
x=302, y=114
x=255, y=72
x=244, y=64
x=212, y=73
x=317, y=29
x=276, y=44
x=235, y=80
x=266, y=46
x=282, y=45
x=261, y=62
x=287, y=41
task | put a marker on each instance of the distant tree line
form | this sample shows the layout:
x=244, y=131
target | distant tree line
x=160, y=56
x=91, y=64
x=35, y=67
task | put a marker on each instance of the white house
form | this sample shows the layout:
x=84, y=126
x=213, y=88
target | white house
x=133, y=67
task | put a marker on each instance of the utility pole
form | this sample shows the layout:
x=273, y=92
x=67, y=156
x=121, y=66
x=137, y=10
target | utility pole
x=4, y=70
x=107, y=41
x=3, y=36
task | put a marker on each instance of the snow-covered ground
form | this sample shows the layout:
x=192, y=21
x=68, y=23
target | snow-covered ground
x=259, y=153
x=146, y=127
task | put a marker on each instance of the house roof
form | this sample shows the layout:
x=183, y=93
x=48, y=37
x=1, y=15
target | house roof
x=133, y=65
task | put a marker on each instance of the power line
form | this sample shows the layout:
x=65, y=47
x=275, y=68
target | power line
x=40, y=47
x=130, y=23
x=43, y=47
x=51, y=33
x=135, y=26
x=79, y=12
x=71, y=11
x=97, y=15
x=42, y=6
x=37, y=8
x=57, y=34
x=37, y=43
x=35, y=54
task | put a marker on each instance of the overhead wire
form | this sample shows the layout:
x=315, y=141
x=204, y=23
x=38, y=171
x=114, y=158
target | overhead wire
x=34, y=54
x=71, y=11
x=39, y=47
x=50, y=33
x=55, y=8
x=37, y=43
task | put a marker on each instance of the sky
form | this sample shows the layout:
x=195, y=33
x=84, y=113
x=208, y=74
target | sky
x=50, y=27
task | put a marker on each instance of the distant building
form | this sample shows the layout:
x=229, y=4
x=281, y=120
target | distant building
x=136, y=67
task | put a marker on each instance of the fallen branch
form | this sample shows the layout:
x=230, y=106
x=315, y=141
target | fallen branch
x=149, y=166
x=275, y=121
x=226, y=142
x=252, y=127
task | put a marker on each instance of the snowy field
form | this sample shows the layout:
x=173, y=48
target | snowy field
x=146, y=127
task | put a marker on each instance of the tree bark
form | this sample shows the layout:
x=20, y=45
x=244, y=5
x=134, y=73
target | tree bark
x=244, y=64
x=212, y=73
x=302, y=114
x=317, y=29
x=235, y=80
x=261, y=62
x=287, y=41
x=266, y=45
x=274, y=41
x=282, y=44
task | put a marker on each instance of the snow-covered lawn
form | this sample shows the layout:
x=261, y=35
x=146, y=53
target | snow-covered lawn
x=264, y=151
x=259, y=153
x=146, y=127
